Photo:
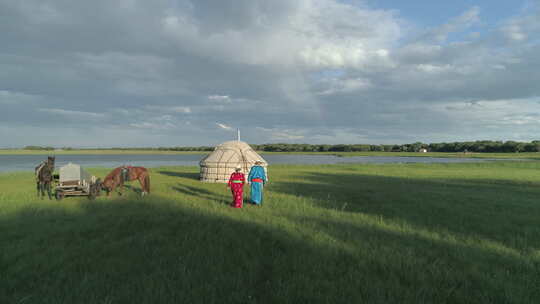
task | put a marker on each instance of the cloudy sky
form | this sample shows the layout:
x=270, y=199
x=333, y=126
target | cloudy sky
x=189, y=72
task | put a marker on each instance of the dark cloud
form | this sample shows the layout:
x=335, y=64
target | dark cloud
x=167, y=73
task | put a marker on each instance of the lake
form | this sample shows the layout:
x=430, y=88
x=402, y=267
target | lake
x=28, y=162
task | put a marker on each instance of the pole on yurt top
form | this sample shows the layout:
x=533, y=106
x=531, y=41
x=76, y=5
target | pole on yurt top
x=238, y=130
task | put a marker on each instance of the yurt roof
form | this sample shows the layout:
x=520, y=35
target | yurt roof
x=218, y=165
x=233, y=152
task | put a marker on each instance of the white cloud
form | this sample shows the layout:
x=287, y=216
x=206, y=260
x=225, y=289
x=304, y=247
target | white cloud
x=10, y=97
x=181, y=109
x=519, y=29
x=465, y=20
x=153, y=125
x=168, y=109
x=322, y=33
x=521, y=120
x=43, y=13
x=285, y=136
x=224, y=126
x=162, y=122
x=495, y=113
x=339, y=56
x=337, y=85
x=220, y=98
x=280, y=134
x=445, y=68
x=72, y=114
x=513, y=32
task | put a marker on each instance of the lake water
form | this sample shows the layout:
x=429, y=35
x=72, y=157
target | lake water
x=28, y=162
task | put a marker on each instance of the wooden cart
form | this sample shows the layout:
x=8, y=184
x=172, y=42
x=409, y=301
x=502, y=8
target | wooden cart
x=75, y=181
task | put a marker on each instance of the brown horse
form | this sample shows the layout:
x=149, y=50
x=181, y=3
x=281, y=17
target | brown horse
x=119, y=175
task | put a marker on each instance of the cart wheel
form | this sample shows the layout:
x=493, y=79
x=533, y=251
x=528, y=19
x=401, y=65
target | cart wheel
x=93, y=192
x=59, y=195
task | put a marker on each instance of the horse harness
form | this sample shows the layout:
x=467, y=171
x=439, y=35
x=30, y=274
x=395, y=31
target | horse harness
x=124, y=174
x=39, y=167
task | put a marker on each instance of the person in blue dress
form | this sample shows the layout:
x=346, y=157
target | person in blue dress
x=257, y=179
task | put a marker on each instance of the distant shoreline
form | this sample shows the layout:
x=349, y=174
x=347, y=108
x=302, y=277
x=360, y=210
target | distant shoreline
x=524, y=155
x=93, y=151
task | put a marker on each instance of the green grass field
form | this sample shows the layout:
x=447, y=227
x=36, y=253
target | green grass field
x=395, y=233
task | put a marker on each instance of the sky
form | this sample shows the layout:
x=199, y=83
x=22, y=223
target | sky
x=135, y=73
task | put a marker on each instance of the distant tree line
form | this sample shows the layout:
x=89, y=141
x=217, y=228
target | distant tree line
x=475, y=146
x=487, y=146
x=42, y=148
x=39, y=148
x=469, y=146
x=183, y=149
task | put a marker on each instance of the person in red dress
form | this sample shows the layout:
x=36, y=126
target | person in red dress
x=236, y=183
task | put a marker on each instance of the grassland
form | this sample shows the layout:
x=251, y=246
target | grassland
x=395, y=233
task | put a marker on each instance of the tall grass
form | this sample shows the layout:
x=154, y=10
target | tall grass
x=396, y=233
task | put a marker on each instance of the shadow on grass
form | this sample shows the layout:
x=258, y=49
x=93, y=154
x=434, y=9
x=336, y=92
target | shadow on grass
x=501, y=211
x=135, y=189
x=200, y=193
x=155, y=250
x=188, y=175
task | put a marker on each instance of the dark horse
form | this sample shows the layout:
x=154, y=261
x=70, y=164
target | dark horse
x=118, y=176
x=44, y=176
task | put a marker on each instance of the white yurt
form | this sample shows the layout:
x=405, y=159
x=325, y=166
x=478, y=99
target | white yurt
x=218, y=166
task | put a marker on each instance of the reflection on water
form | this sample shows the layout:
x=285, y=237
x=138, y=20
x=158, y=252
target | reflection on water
x=28, y=162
